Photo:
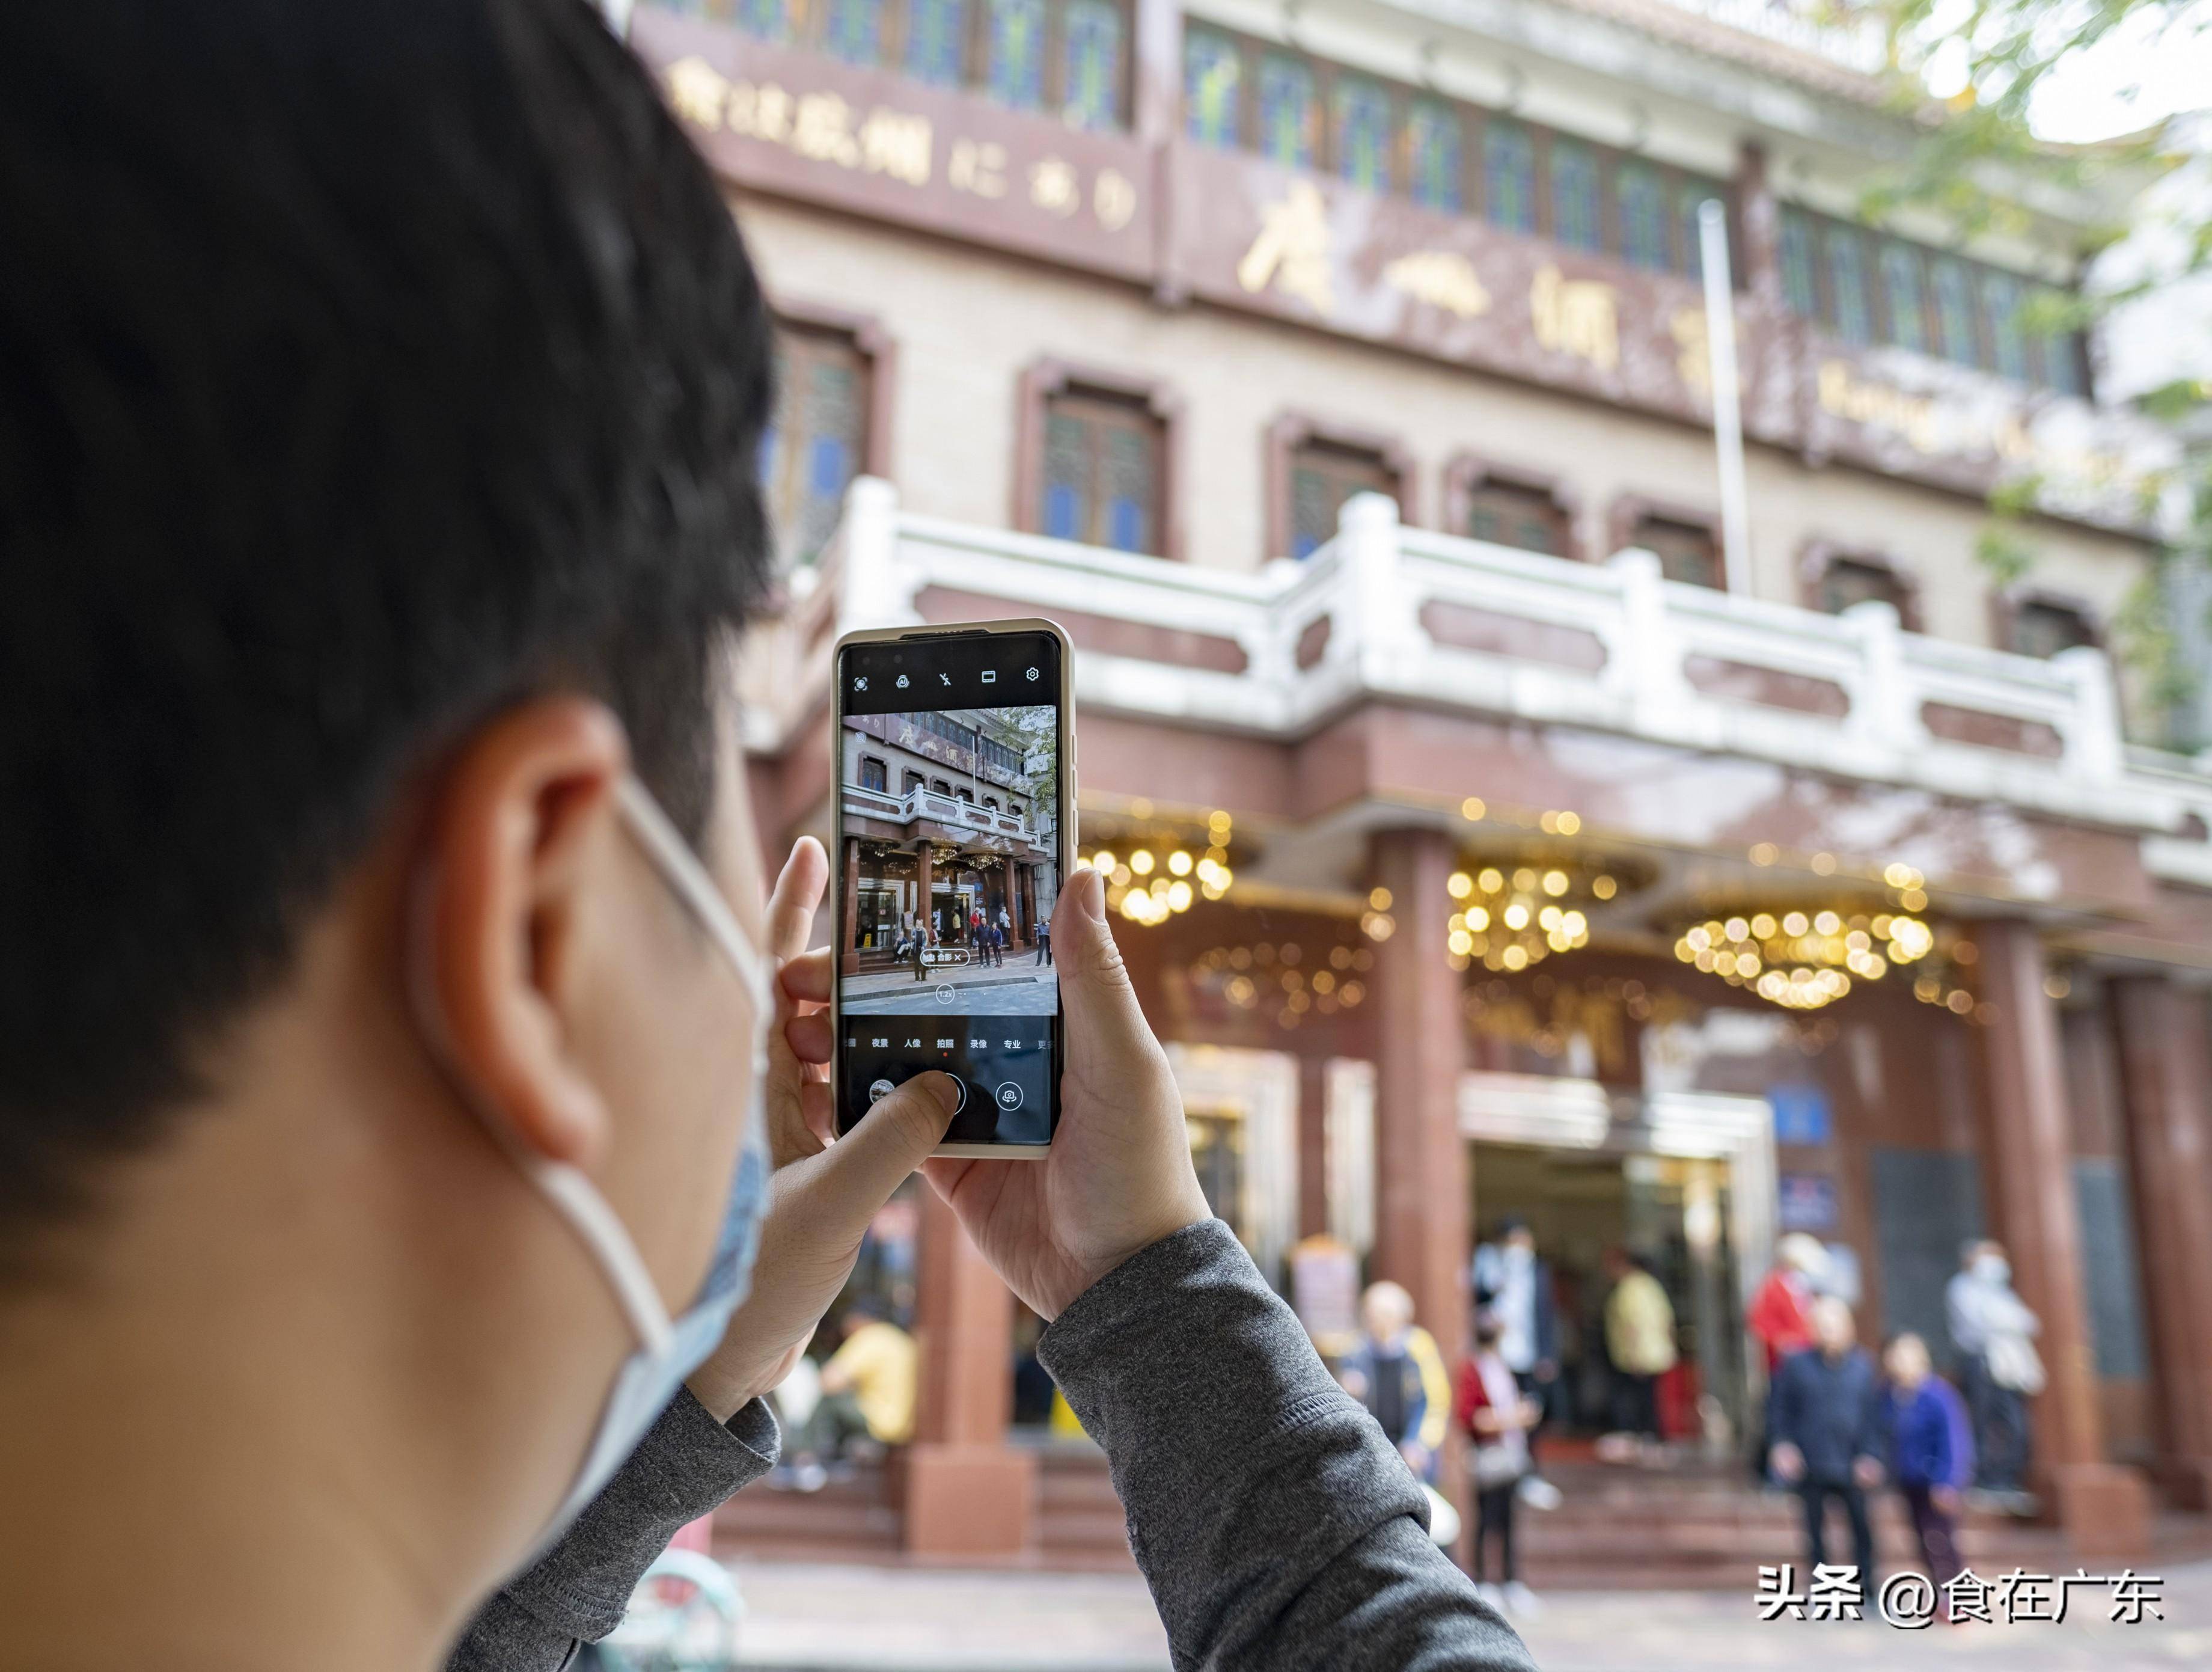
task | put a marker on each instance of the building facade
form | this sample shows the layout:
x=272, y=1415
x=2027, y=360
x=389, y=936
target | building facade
x=943, y=825
x=1338, y=374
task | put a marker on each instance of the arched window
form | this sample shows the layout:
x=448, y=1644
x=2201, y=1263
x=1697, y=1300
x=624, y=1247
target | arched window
x=874, y=775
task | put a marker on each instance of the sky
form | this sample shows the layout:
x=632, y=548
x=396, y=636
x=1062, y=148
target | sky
x=2137, y=74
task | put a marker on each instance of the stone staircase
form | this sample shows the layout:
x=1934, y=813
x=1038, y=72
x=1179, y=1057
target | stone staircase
x=1692, y=1526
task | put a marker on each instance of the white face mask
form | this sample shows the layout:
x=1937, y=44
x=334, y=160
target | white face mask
x=1993, y=1268
x=668, y=1350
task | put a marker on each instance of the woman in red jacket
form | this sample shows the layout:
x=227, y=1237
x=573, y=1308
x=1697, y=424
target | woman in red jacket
x=1497, y=1416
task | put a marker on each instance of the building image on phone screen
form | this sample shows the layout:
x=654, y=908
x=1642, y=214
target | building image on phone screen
x=951, y=827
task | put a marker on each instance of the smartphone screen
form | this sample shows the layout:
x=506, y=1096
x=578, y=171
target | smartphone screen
x=951, y=777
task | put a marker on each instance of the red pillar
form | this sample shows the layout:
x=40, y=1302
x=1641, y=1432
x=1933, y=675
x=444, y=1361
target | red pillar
x=2104, y=1508
x=968, y=1494
x=2169, y=1137
x=851, y=951
x=1421, y=1183
x=1313, y=1145
x=921, y=858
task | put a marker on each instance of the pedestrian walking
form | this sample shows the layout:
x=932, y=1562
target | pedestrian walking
x=1994, y=1331
x=1499, y=1418
x=1931, y=1453
x=1043, y=943
x=1397, y=1373
x=1513, y=1284
x=1830, y=1432
x=1639, y=1340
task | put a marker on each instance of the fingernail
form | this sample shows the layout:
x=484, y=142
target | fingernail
x=1090, y=895
x=942, y=1087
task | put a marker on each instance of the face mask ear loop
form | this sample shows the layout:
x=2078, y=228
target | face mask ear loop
x=673, y=858
x=571, y=1194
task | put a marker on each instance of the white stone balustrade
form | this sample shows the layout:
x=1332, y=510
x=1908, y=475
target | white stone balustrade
x=1610, y=646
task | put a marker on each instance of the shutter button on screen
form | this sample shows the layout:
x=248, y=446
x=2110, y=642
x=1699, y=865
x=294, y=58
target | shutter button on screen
x=1009, y=1095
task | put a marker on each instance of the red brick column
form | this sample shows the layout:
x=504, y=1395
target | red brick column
x=921, y=863
x=968, y=1494
x=2105, y=1508
x=2169, y=1137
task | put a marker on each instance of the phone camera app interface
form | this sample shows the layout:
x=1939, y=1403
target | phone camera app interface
x=949, y=771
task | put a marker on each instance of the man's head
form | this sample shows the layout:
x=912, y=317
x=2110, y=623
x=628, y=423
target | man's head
x=1985, y=1256
x=1833, y=1326
x=1386, y=1312
x=1618, y=1263
x=1514, y=1234
x=382, y=388
x=1907, y=1361
x=1803, y=1254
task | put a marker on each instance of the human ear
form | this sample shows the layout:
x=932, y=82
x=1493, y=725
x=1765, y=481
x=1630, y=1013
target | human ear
x=518, y=822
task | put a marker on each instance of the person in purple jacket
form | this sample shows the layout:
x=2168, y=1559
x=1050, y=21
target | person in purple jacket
x=1931, y=1451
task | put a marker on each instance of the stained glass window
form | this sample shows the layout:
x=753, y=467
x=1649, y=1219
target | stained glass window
x=854, y=30
x=1016, y=71
x=1901, y=290
x=1212, y=78
x=1508, y=175
x=1847, y=286
x=1642, y=217
x=1102, y=473
x=1798, y=290
x=1574, y=195
x=1286, y=111
x=936, y=37
x=1361, y=114
x=812, y=446
x=2008, y=341
x=1091, y=64
x=1954, y=313
x=769, y=19
x=1323, y=477
x=1432, y=144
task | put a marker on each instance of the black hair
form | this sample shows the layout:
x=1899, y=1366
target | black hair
x=364, y=368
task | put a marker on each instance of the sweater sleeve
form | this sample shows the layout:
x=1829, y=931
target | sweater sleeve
x=1276, y=1525
x=577, y=1590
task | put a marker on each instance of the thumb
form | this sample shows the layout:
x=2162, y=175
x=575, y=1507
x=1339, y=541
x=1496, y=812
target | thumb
x=858, y=1173
x=1094, y=984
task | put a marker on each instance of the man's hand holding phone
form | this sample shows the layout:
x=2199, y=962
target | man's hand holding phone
x=1118, y=1175
x=824, y=1193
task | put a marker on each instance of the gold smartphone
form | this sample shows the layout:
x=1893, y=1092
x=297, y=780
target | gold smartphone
x=954, y=774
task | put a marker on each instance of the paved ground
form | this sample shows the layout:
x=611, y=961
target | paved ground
x=1018, y=988
x=914, y=1620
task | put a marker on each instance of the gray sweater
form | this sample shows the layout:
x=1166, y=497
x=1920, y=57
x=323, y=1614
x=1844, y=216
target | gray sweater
x=1275, y=1524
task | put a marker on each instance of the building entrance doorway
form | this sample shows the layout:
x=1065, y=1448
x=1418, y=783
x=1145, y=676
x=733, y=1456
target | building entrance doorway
x=1672, y=1215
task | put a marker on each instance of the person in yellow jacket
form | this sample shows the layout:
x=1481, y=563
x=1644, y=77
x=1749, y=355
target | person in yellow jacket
x=1639, y=1340
x=1397, y=1373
